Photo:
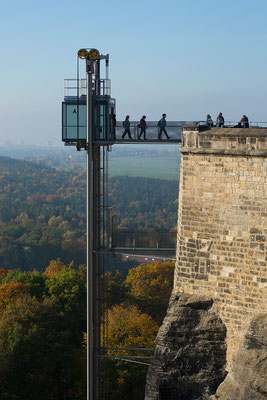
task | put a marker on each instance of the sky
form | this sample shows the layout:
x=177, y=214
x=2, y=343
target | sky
x=184, y=58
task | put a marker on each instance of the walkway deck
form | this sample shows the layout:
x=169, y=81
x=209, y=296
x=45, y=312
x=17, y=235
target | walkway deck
x=173, y=128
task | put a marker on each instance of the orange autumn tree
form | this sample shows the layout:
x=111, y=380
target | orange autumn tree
x=129, y=327
x=55, y=267
x=3, y=273
x=150, y=286
x=9, y=292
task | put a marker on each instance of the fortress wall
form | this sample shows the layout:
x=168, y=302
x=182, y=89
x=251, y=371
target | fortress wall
x=222, y=224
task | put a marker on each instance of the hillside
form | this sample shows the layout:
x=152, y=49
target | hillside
x=43, y=211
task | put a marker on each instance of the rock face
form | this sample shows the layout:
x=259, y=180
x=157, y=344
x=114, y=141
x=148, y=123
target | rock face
x=190, y=356
x=247, y=379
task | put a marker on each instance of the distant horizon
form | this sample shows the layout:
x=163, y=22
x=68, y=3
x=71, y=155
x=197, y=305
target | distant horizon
x=187, y=59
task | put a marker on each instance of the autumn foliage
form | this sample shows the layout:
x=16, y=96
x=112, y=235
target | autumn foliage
x=43, y=330
x=9, y=292
x=150, y=287
x=55, y=267
x=129, y=327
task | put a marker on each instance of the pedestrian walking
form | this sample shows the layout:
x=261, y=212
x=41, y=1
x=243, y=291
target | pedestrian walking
x=142, y=126
x=162, y=127
x=126, y=126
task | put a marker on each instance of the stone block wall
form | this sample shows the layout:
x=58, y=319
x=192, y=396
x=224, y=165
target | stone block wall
x=222, y=224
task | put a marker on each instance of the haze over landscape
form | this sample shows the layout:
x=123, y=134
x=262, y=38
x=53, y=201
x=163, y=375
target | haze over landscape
x=185, y=58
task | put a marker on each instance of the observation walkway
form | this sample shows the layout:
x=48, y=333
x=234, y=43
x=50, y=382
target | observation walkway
x=144, y=242
x=71, y=134
x=173, y=128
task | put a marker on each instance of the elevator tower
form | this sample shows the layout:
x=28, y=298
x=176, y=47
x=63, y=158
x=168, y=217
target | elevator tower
x=87, y=123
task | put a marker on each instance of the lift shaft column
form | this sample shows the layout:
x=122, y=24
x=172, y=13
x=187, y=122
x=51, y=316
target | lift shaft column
x=93, y=262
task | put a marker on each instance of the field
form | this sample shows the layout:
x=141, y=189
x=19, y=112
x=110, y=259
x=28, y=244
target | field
x=152, y=167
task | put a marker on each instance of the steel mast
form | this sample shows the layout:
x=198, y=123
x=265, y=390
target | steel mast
x=94, y=215
x=87, y=115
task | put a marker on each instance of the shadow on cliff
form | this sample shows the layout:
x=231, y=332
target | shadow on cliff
x=247, y=379
x=190, y=356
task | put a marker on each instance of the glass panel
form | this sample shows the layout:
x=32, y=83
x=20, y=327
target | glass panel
x=103, y=121
x=100, y=120
x=71, y=115
x=82, y=115
x=70, y=128
x=82, y=132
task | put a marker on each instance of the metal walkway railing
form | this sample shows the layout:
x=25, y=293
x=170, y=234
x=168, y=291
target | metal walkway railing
x=140, y=241
x=173, y=128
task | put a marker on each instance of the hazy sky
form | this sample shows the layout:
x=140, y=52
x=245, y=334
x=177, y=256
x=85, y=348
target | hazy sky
x=185, y=58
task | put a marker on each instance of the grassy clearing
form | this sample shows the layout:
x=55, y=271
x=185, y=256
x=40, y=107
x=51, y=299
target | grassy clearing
x=151, y=167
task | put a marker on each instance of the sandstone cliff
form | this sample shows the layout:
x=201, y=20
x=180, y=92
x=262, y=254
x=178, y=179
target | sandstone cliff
x=247, y=379
x=190, y=355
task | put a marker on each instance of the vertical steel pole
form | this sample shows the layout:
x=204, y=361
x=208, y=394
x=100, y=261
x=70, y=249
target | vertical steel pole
x=94, y=230
x=90, y=278
x=97, y=242
x=96, y=267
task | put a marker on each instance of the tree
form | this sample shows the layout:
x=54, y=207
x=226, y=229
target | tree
x=150, y=287
x=55, y=267
x=67, y=291
x=9, y=292
x=128, y=327
x=34, y=280
x=115, y=288
x=38, y=358
x=3, y=273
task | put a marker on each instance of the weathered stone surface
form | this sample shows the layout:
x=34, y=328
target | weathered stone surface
x=222, y=224
x=190, y=353
x=247, y=379
x=234, y=141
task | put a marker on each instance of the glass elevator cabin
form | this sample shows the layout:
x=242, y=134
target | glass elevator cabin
x=74, y=112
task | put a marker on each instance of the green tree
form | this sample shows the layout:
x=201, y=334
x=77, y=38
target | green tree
x=115, y=288
x=67, y=291
x=34, y=280
x=38, y=359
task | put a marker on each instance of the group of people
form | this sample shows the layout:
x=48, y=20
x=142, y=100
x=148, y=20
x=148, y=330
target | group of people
x=143, y=127
x=244, y=123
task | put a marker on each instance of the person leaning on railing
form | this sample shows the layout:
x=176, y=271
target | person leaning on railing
x=244, y=122
x=209, y=121
x=219, y=120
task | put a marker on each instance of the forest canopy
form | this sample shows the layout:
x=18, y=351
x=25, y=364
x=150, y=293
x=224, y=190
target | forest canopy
x=43, y=329
x=43, y=211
